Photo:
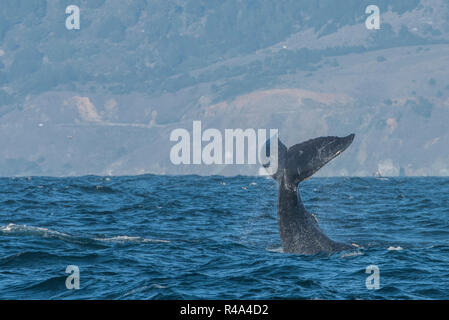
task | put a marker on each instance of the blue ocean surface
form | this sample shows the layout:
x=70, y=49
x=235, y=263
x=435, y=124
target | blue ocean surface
x=192, y=237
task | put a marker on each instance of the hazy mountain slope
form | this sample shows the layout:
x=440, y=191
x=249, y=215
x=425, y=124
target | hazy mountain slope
x=104, y=99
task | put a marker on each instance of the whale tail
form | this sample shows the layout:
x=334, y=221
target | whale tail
x=302, y=160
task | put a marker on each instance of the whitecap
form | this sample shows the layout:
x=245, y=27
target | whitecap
x=278, y=250
x=351, y=254
x=398, y=248
x=14, y=229
x=30, y=230
x=129, y=239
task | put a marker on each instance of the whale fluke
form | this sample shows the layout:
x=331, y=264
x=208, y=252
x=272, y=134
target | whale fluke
x=299, y=229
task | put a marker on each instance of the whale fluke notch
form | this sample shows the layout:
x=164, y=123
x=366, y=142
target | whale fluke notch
x=299, y=232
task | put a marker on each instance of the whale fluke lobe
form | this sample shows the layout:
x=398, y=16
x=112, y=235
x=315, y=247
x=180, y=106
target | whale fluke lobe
x=306, y=158
x=298, y=229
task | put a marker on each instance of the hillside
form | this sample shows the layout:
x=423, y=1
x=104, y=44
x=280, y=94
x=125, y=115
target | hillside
x=104, y=99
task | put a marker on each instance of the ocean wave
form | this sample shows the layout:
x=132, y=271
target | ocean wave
x=224, y=241
x=351, y=254
x=277, y=250
x=398, y=248
x=15, y=229
x=129, y=239
x=25, y=256
x=24, y=230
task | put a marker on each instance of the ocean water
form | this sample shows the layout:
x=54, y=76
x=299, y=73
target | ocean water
x=190, y=237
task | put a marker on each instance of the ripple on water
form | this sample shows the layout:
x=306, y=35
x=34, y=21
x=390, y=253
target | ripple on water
x=156, y=237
